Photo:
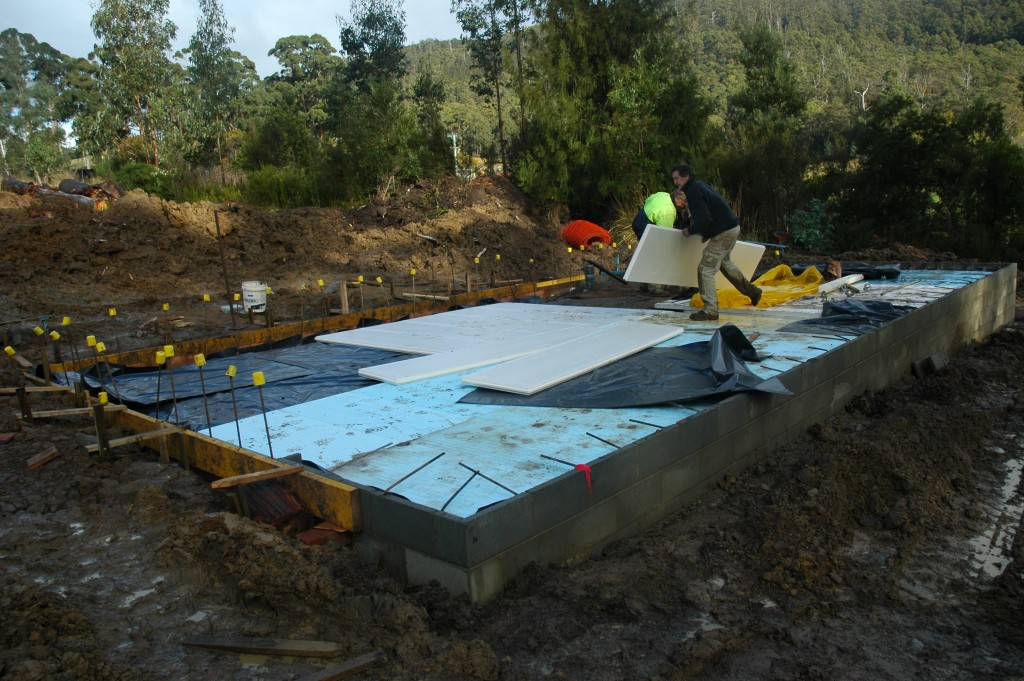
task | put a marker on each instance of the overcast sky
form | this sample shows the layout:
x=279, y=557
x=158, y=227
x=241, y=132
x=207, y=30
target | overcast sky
x=64, y=24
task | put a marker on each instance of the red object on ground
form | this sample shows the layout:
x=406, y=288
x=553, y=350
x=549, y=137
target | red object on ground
x=581, y=232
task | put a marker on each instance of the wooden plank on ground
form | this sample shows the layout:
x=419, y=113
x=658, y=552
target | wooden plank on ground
x=42, y=458
x=132, y=439
x=267, y=646
x=38, y=389
x=345, y=669
x=247, y=478
x=73, y=411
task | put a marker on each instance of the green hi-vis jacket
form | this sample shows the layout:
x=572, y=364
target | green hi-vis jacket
x=661, y=210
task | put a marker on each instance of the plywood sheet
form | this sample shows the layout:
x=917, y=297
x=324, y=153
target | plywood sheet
x=664, y=256
x=533, y=373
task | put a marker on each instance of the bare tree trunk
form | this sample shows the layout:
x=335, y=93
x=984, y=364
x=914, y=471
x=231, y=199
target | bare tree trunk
x=517, y=31
x=501, y=124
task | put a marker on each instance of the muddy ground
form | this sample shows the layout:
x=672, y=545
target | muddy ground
x=883, y=544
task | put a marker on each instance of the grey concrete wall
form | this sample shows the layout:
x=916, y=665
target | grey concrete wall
x=640, y=484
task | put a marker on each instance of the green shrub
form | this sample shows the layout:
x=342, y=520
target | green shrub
x=811, y=227
x=146, y=177
x=271, y=187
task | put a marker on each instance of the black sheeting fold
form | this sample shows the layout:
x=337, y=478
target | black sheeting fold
x=654, y=376
x=850, y=317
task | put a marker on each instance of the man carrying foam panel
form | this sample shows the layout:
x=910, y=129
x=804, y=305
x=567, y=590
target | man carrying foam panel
x=717, y=225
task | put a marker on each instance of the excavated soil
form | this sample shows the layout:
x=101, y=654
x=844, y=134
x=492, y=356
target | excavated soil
x=879, y=545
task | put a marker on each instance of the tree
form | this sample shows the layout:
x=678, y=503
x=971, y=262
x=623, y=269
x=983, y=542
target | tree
x=34, y=85
x=214, y=73
x=134, y=36
x=309, y=67
x=588, y=56
x=771, y=92
x=373, y=42
x=484, y=34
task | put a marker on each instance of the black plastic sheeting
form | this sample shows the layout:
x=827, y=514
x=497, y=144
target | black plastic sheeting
x=293, y=375
x=654, y=376
x=850, y=317
x=869, y=270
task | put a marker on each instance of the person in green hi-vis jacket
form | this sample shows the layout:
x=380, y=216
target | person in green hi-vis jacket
x=660, y=208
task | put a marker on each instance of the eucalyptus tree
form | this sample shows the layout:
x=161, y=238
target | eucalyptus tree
x=217, y=74
x=134, y=39
x=372, y=42
x=34, y=92
x=484, y=33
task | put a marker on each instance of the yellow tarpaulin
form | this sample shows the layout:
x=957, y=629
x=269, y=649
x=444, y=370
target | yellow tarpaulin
x=778, y=285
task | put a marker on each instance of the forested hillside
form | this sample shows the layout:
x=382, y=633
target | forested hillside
x=831, y=122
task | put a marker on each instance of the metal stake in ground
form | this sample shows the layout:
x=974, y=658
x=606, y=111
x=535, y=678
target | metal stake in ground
x=161, y=359
x=169, y=353
x=44, y=355
x=359, y=283
x=90, y=341
x=206, y=310
x=230, y=373
x=101, y=348
x=55, y=337
x=74, y=348
x=224, y=268
x=258, y=380
x=168, y=337
x=200, y=363
x=112, y=312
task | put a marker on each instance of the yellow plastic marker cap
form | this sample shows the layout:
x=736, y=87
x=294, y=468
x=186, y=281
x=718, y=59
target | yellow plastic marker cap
x=103, y=398
x=615, y=244
x=67, y=321
x=583, y=247
x=161, y=358
x=630, y=247
x=200, y=359
x=497, y=256
x=54, y=336
x=101, y=347
x=38, y=330
x=168, y=351
x=112, y=311
x=320, y=283
x=238, y=296
x=776, y=251
x=90, y=341
x=569, y=250
x=232, y=370
x=381, y=281
x=413, y=271
x=360, y=279
x=531, y=261
x=11, y=352
x=269, y=291
x=206, y=297
x=600, y=245
x=258, y=379
x=476, y=260
x=166, y=307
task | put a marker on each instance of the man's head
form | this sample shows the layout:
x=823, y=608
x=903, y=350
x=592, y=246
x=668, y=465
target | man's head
x=681, y=173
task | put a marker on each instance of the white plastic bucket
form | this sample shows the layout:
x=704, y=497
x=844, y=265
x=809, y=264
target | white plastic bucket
x=254, y=295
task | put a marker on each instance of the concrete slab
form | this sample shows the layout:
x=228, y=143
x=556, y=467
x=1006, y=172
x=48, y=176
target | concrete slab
x=507, y=490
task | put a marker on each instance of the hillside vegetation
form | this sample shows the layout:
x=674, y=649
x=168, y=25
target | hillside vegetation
x=830, y=123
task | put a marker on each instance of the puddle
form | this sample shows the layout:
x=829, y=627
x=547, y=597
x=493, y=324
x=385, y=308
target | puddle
x=991, y=549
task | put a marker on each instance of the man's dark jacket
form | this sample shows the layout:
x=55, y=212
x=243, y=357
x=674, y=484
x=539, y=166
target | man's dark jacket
x=710, y=215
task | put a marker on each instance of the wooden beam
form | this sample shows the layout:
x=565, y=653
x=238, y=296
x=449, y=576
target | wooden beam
x=38, y=389
x=267, y=646
x=42, y=457
x=138, y=437
x=345, y=669
x=74, y=411
x=247, y=478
